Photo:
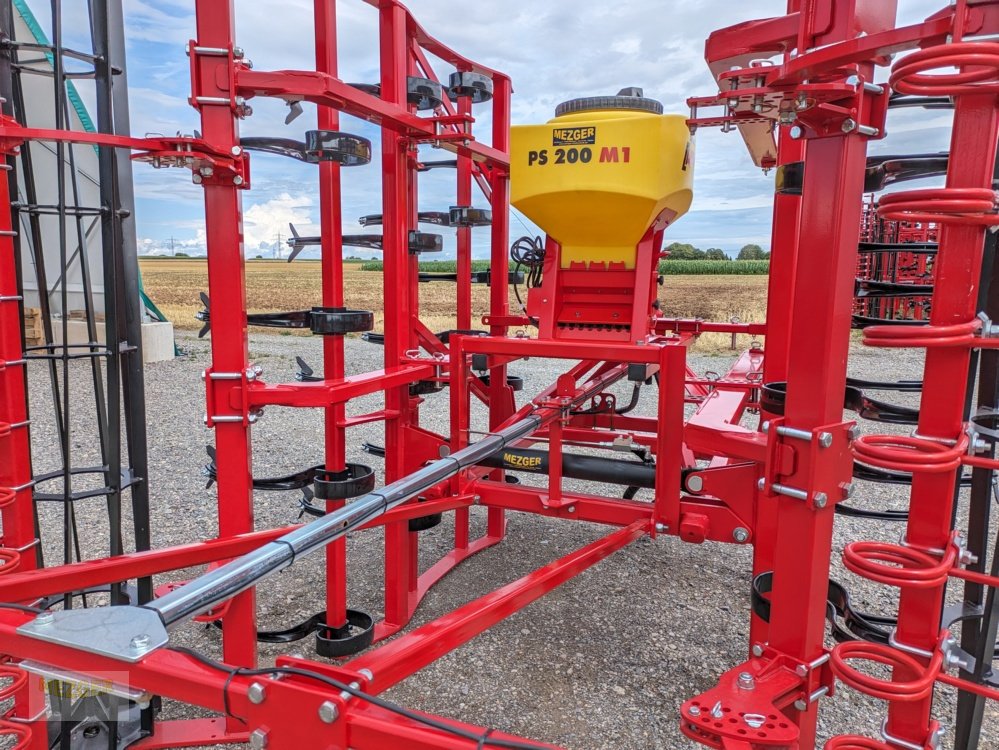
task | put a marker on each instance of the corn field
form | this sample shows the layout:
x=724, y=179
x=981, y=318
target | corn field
x=714, y=267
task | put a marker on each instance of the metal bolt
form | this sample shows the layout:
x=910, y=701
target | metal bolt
x=801, y=670
x=139, y=642
x=662, y=528
x=328, y=712
x=258, y=739
x=849, y=125
x=197, y=179
x=854, y=432
x=740, y=534
x=848, y=490
x=477, y=499
x=937, y=737
x=800, y=704
x=761, y=484
x=238, y=52
x=571, y=509
x=695, y=483
x=694, y=711
x=45, y=618
x=236, y=150
x=825, y=439
x=746, y=681
x=366, y=673
x=765, y=428
x=207, y=171
x=820, y=499
x=796, y=132
x=256, y=693
x=237, y=180
x=757, y=649
x=716, y=710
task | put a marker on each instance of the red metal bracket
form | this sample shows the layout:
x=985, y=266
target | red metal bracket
x=816, y=460
x=745, y=710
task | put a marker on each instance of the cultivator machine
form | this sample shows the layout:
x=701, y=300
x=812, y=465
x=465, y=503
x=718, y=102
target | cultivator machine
x=760, y=456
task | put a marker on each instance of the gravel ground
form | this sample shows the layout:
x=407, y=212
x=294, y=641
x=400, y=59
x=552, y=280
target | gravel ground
x=602, y=662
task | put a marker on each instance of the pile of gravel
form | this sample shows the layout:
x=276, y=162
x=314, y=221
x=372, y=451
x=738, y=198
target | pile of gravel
x=602, y=662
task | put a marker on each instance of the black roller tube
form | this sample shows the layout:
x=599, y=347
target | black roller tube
x=574, y=466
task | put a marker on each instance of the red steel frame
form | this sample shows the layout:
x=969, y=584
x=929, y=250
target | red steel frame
x=745, y=473
x=896, y=267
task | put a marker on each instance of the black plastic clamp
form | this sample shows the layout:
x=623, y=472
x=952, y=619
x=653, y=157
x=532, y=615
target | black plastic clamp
x=515, y=382
x=424, y=242
x=424, y=93
x=423, y=523
x=332, y=145
x=424, y=387
x=466, y=83
x=469, y=216
x=355, y=480
x=355, y=635
x=337, y=321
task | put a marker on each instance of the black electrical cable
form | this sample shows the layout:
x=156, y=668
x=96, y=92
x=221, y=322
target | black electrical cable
x=529, y=253
x=482, y=740
x=21, y=608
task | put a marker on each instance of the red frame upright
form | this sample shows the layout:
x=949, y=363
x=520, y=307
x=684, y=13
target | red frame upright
x=775, y=486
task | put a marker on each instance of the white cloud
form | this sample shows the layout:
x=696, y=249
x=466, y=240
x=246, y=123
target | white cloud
x=555, y=50
x=264, y=222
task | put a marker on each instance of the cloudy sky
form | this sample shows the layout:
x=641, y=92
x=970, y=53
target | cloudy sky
x=553, y=50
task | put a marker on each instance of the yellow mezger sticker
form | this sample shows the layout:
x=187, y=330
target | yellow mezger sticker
x=526, y=462
x=574, y=136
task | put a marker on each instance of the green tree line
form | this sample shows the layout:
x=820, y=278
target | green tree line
x=684, y=251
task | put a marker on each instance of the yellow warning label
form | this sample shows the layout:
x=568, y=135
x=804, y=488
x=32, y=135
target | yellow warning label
x=523, y=462
x=574, y=136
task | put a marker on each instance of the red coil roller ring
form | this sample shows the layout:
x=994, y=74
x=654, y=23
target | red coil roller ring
x=895, y=337
x=977, y=64
x=18, y=678
x=913, y=690
x=912, y=569
x=11, y=561
x=911, y=454
x=7, y=496
x=945, y=205
x=21, y=731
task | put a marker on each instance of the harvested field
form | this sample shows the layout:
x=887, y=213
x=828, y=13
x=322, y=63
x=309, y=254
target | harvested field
x=174, y=285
